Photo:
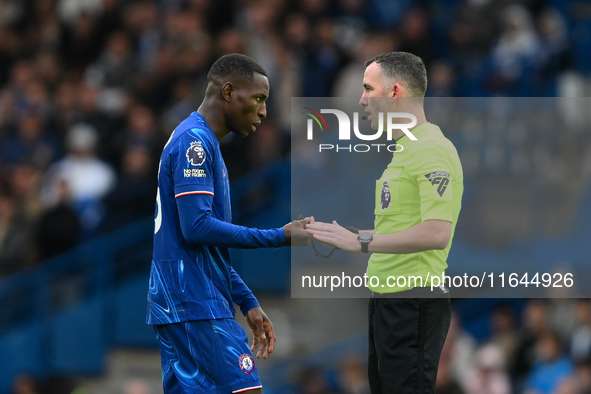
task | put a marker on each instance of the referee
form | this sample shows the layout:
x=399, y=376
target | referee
x=417, y=204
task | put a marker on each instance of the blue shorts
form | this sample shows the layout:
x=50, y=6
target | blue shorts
x=206, y=357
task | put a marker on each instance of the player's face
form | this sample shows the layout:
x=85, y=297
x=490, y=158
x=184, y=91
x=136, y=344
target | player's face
x=249, y=105
x=372, y=87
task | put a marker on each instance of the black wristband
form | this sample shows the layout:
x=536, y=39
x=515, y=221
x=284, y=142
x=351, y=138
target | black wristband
x=352, y=229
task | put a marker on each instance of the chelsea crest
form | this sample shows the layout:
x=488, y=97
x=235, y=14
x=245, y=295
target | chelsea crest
x=246, y=363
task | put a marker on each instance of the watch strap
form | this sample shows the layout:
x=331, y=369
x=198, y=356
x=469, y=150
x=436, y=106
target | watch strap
x=365, y=246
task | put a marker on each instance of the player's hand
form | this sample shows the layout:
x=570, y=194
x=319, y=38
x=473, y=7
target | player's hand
x=262, y=332
x=333, y=236
x=296, y=234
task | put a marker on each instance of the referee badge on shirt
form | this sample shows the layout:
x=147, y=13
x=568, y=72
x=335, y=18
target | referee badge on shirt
x=196, y=154
x=440, y=178
x=246, y=363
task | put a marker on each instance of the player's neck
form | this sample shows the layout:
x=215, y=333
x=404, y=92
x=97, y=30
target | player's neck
x=214, y=119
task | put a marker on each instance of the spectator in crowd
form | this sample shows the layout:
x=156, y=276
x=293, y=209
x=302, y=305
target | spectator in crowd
x=387, y=14
x=534, y=326
x=580, y=340
x=583, y=377
x=504, y=333
x=442, y=80
x=474, y=30
x=562, y=316
x=87, y=177
x=133, y=196
x=183, y=102
x=313, y=381
x=374, y=44
x=446, y=383
x=141, y=20
x=578, y=383
x=550, y=367
x=517, y=50
x=116, y=68
x=136, y=386
x=24, y=384
x=322, y=61
x=24, y=183
x=415, y=36
x=87, y=110
x=15, y=236
x=459, y=350
x=353, y=376
x=490, y=375
x=58, y=228
x=556, y=56
x=141, y=130
x=31, y=143
x=80, y=41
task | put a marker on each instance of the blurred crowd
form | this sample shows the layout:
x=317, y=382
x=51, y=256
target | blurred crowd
x=90, y=90
x=545, y=349
x=527, y=166
x=541, y=347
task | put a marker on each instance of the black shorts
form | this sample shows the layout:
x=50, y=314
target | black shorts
x=406, y=336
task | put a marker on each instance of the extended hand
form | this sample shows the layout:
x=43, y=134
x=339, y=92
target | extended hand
x=295, y=233
x=335, y=236
x=262, y=332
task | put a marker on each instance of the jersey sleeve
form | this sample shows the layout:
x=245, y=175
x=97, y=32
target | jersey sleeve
x=200, y=227
x=192, y=161
x=241, y=294
x=433, y=173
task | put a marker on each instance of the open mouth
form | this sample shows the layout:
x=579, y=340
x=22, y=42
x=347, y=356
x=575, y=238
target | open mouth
x=255, y=125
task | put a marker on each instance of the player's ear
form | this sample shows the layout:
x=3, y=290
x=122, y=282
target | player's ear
x=227, y=91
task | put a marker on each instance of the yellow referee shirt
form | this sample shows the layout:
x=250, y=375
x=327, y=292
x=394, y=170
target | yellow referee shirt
x=424, y=181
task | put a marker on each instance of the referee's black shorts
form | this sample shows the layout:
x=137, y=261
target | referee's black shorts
x=406, y=336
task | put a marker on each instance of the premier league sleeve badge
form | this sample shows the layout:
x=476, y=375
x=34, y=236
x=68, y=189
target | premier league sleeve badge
x=196, y=154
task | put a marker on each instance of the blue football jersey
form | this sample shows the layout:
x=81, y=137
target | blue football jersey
x=191, y=276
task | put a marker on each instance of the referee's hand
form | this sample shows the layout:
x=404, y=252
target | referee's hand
x=263, y=334
x=334, y=235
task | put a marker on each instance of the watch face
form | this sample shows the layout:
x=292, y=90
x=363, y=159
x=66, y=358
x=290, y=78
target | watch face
x=365, y=237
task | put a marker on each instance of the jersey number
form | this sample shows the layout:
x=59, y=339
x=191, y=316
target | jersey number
x=158, y=218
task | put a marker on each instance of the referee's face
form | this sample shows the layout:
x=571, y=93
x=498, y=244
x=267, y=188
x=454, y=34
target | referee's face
x=248, y=105
x=372, y=87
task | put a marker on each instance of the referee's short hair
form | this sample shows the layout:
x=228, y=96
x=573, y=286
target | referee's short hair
x=235, y=65
x=404, y=68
